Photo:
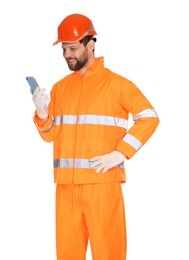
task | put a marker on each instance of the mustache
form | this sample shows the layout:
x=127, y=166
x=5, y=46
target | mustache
x=68, y=59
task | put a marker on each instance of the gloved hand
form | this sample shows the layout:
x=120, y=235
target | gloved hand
x=107, y=161
x=40, y=100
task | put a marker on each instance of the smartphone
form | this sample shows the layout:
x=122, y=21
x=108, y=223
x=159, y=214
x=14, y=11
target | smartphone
x=33, y=83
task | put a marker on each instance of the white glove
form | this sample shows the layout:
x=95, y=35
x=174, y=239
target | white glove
x=106, y=161
x=40, y=100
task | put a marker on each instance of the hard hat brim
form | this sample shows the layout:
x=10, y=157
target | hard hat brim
x=56, y=42
x=73, y=41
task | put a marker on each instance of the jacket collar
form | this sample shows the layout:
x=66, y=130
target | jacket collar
x=94, y=68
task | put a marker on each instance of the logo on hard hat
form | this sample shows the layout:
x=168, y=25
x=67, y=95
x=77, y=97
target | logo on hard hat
x=76, y=32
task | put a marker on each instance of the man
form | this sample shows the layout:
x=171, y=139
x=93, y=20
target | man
x=87, y=120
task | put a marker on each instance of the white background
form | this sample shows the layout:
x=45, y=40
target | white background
x=145, y=41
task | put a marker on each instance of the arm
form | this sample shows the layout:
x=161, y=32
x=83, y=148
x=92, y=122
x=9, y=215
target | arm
x=144, y=117
x=43, y=116
x=145, y=122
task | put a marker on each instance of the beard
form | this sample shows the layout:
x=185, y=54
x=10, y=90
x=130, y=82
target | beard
x=76, y=64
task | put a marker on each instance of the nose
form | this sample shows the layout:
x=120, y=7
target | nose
x=66, y=53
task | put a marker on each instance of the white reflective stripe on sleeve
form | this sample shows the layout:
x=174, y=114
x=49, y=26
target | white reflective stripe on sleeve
x=77, y=163
x=92, y=119
x=133, y=141
x=48, y=129
x=146, y=113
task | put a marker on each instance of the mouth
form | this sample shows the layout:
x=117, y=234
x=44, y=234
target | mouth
x=70, y=61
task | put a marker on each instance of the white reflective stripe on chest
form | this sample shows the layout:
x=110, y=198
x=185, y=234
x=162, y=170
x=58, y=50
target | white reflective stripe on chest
x=66, y=119
x=92, y=119
x=77, y=163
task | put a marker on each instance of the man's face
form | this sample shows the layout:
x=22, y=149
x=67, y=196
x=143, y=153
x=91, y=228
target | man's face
x=75, y=54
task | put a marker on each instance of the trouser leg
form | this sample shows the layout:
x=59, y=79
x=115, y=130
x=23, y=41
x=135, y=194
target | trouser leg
x=105, y=217
x=71, y=230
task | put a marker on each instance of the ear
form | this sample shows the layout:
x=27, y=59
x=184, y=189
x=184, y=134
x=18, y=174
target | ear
x=91, y=45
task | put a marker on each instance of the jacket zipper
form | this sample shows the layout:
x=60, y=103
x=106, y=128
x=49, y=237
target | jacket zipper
x=75, y=141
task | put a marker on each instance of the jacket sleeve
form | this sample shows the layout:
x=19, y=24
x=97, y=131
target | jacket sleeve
x=145, y=119
x=48, y=129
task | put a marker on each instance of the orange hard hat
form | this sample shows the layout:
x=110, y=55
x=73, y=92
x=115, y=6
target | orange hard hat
x=74, y=28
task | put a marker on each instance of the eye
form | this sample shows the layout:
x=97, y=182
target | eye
x=73, y=49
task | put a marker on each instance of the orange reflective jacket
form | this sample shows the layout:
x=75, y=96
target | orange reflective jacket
x=88, y=117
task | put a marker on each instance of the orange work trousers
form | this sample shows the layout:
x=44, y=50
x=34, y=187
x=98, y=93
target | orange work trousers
x=90, y=211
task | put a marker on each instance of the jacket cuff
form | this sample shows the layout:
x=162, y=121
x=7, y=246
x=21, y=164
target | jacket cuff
x=126, y=149
x=41, y=126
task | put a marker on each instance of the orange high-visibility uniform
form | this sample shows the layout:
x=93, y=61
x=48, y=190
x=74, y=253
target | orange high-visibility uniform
x=88, y=117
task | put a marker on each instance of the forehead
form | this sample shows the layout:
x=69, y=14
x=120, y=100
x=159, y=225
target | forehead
x=70, y=45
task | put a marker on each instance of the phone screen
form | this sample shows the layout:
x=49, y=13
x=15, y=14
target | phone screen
x=33, y=83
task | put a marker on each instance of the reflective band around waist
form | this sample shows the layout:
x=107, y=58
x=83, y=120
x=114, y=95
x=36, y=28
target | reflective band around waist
x=133, y=141
x=92, y=119
x=77, y=163
x=146, y=113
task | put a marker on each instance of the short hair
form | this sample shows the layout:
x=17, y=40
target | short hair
x=85, y=40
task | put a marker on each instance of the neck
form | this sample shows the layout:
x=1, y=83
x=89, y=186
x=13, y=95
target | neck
x=87, y=65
